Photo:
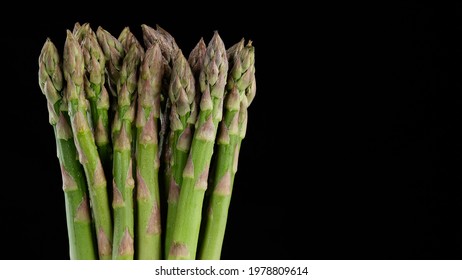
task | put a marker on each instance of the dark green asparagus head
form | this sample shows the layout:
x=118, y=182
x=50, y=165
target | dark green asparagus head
x=167, y=45
x=242, y=71
x=196, y=61
x=73, y=64
x=196, y=57
x=241, y=84
x=231, y=52
x=251, y=89
x=182, y=91
x=247, y=82
x=213, y=75
x=129, y=75
x=127, y=39
x=51, y=79
x=150, y=80
x=159, y=36
x=81, y=31
x=113, y=51
x=94, y=64
x=76, y=28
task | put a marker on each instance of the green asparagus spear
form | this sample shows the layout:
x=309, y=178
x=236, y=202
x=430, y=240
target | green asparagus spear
x=240, y=93
x=80, y=235
x=182, y=95
x=97, y=96
x=88, y=155
x=127, y=39
x=123, y=183
x=169, y=48
x=148, y=238
x=188, y=218
x=195, y=60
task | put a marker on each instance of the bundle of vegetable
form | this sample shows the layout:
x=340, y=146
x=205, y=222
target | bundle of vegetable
x=148, y=121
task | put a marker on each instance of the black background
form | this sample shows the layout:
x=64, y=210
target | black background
x=353, y=148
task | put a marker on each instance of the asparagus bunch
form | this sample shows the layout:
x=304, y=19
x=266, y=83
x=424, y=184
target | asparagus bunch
x=161, y=117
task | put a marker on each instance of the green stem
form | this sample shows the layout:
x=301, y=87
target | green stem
x=217, y=213
x=123, y=195
x=80, y=232
x=194, y=184
x=148, y=229
x=180, y=156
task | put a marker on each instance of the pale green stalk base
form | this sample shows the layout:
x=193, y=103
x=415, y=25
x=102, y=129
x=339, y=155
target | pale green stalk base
x=179, y=160
x=189, y=211
x=79, y=228
x=98, y=192
x=148, y=235
x=217, y=213
x=123, y=197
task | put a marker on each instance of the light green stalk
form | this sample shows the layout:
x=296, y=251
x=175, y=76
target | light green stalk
x=182, y=95
x=212, y=82
x=240, y=93
x=148, y=234
x=80, y=234
x=98, y=96
x=195, y=60
x=83, y=137
x=124, y=184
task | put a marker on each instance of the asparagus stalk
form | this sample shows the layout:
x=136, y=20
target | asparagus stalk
x=148, y=238
x=123, y=183
x=182, y=95
x=195, y=60
x=98, y=96
x=241, y=91
x=168, y=48
x=81, y=245
x=212, y=82
x=88, y=155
